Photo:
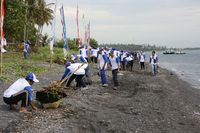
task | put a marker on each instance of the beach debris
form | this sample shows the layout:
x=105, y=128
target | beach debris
x=197, y=113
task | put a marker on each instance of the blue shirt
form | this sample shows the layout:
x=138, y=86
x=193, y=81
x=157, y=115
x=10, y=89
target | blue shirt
x=30, y=95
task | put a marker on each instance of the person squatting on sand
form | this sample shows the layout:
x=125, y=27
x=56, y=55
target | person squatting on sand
x=21, y=90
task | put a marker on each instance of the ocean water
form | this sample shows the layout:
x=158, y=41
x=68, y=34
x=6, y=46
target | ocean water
x=186, y=66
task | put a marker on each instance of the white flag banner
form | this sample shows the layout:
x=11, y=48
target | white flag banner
x=53, y=29
x=64, y=34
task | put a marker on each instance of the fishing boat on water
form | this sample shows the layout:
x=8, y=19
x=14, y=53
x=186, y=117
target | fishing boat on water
x=174, y=52
x=169, y=52
x=180, y=52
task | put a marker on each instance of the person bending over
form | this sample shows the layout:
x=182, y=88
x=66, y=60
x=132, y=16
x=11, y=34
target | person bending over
x=78, y=71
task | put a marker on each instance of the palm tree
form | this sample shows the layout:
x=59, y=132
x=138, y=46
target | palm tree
x=43, y=15
x=39, y=13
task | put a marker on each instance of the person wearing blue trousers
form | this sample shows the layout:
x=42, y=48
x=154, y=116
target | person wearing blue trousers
x=154, y=62
x=103, y=60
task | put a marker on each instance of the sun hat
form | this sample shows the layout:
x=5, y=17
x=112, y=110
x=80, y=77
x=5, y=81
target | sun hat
x=31, y=76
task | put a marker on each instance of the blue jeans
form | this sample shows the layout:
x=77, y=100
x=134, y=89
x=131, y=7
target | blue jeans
x=114, y=74
x=154, y=69
x=87, y=71
x=25, y=55
x=103, y=76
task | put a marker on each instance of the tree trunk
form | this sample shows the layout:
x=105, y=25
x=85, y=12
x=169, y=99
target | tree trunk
x=37, y=35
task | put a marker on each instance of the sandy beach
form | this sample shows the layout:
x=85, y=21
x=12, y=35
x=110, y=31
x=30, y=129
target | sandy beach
x=142, y=104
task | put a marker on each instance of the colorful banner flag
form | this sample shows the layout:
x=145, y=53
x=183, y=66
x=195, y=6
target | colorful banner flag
x=2, y=18
x=62, y=14
x=2, y=35
x=87, y=36
x=77, y=23
x=88, y=41
x=53, y=23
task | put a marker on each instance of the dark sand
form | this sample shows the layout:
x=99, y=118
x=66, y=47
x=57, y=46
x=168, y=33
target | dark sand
x=142, y=104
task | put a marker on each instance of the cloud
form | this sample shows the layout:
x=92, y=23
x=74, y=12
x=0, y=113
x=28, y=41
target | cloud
x=146, y=21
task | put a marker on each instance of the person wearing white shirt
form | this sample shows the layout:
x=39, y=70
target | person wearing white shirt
x=73, y=57
x=142, y=59
x=103, y=60
x=21, y=90
x=115, y=65
x=26, y=49
x=129, y=61
x=83, y=52
x=154, y=62
x=3, y=43
x=78, y=70
x=94, y=53
x=122, y=59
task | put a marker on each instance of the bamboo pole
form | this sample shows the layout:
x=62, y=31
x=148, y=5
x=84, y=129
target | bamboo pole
x=51, y=56
x=1, y=62
x=1, y=40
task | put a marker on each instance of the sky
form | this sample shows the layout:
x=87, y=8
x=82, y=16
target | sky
x=171, y=23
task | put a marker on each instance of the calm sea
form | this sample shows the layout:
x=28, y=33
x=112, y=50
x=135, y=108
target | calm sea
x=186, y=66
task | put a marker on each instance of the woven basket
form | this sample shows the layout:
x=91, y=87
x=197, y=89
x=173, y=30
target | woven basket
x=53, y=105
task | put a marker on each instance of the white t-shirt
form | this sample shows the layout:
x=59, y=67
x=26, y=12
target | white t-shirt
x=80, y=71
x=83, y=52
x=114, y=63
x=129, y=58
x=102, y=60
x=94, y=52
x=142, y=59
x=154, y=58
x=16, y=87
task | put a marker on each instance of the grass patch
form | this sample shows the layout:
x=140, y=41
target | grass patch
x=15, y=66
x=4, y=78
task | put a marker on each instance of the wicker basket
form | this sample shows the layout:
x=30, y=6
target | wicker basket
x=53, y=105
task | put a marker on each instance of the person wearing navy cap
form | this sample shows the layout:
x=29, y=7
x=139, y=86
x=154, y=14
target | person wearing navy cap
x=21, y=90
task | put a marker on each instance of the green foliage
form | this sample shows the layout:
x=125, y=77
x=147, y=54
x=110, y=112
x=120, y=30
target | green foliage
x=44, y=39
x=134, y=47
x=21, y=13
x=4, y=78
x=71, y=43
x=43, y=54
x=53, y=96
x=14, y=19
x=93, y=43
x=15, y=66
